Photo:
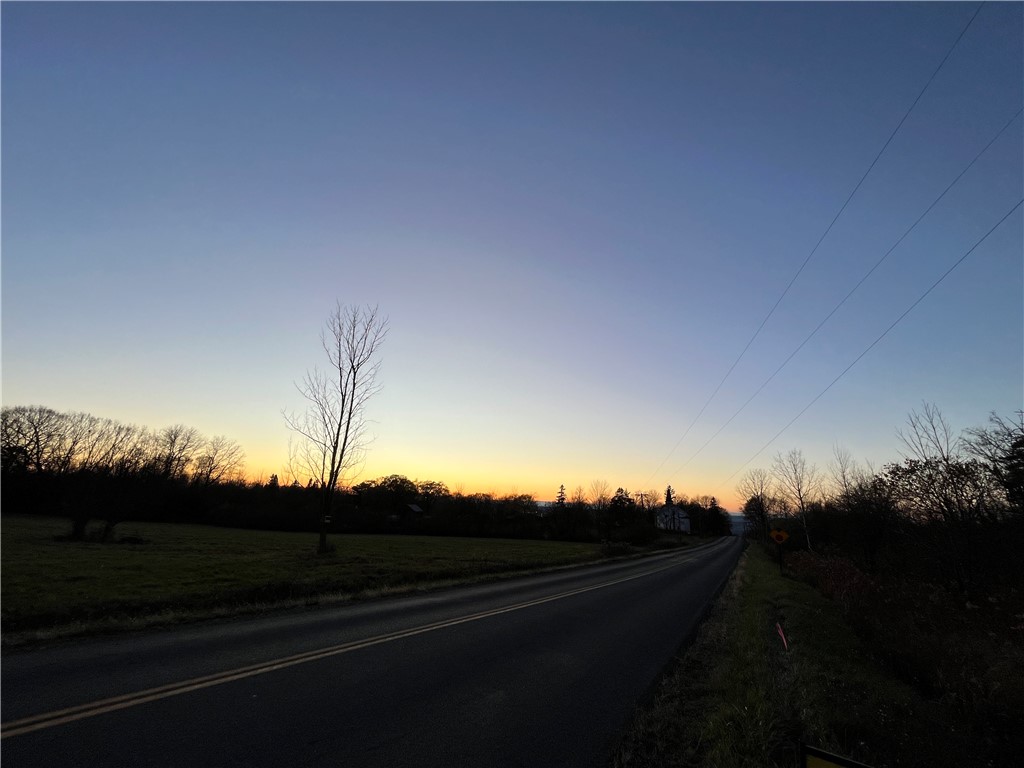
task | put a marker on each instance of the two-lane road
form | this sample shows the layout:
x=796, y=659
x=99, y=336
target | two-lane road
x=536, y=671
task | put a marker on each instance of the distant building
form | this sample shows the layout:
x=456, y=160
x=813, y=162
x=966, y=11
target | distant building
x=672, y=518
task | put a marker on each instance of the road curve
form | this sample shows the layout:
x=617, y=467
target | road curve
x=536, y=671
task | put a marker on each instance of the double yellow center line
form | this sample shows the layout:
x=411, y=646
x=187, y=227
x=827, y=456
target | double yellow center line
x=124, y=701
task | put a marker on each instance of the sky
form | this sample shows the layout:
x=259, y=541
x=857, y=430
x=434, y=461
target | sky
x=575, y=217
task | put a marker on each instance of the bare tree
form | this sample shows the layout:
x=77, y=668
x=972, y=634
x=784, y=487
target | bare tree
x=600, y=500
x=220, y=458
x=331, y=430
x=579, y=497
x=37, y=432
x=929, y=436
x=758, y=493
x=648, y=501
x=600, y=494
x=799, y=483
x=1000, y=446
x=176, y=449
x=756, y=483
x=845, y=471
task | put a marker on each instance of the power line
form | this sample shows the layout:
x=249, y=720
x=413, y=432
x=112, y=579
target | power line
x=820, y=240
x=855, y=288
x=871, y=346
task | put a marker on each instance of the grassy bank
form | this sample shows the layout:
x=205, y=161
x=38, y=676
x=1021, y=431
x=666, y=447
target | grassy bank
x=737, y=698
x=161, y=573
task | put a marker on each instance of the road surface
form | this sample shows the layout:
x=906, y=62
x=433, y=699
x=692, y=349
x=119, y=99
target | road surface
x=536, y=671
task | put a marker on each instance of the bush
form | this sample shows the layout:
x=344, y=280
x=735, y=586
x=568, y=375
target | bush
x=935, y=639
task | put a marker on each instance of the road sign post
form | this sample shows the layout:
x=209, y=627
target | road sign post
x=779, y=536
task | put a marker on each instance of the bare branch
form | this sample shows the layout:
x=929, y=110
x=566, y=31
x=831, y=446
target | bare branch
x=929, y=436
x=332, y=428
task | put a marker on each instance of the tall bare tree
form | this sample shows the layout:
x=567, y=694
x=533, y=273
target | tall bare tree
x=799, y=482
x=331, y=430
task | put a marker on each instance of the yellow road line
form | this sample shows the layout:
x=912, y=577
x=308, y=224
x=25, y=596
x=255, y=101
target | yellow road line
x=124, y=701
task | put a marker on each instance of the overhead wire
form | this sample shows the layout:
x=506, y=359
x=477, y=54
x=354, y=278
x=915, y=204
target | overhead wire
x=855, y=287
x=871, y=346
x=816, y=246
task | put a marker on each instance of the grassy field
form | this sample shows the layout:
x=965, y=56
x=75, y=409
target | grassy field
x=736, y=698
x=161, y=573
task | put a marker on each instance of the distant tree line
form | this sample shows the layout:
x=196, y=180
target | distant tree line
x=85, y=467
x=96, y=470
x=396, y=503
x=637, y=518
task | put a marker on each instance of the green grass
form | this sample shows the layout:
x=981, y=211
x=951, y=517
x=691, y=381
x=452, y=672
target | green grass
x=52, y=587
x=736, y=698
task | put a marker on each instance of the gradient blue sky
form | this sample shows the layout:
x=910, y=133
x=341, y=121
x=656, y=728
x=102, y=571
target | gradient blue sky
x=575, y=216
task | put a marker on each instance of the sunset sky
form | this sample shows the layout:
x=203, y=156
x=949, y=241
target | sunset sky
x=574, y=215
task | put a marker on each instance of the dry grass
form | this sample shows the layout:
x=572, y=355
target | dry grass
x=163, y=573
x=736, y=698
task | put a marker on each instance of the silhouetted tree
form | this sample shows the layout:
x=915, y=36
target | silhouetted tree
x=599, y=494
x=432, y=489
x=332, y=428
x=871, y=514
x=219, y=459
x=574, y=520
x=579, y=498
x=389, y=495
x=1000, y=446
x=756, y=487
x=176, y=448
x=798, y=482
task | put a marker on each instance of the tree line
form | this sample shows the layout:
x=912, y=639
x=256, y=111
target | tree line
x=87, y=467
x=600, y=514
x=952, y=511
x=91, y=469
x=47, y=441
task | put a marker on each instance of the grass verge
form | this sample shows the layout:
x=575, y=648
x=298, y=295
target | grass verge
x=159, y=574
x=735, y=697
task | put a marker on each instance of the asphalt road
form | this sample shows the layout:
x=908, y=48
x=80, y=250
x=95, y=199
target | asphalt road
x=537, y=671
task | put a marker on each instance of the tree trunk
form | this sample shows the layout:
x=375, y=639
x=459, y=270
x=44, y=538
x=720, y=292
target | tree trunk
x=807, y=531
x=325, y=508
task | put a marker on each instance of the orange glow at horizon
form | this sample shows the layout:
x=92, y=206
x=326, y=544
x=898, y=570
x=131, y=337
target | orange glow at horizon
x=471, y=479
